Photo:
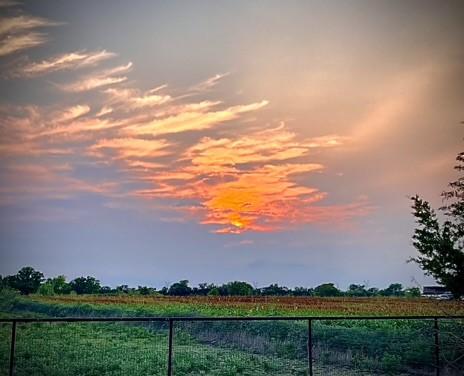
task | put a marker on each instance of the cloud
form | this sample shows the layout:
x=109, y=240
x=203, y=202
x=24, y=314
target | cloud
x=8, y=3
x=209, y=83
x=14, y=43
x=238, y=182
x=99, y=79
x=275, y=144
x=17, y=33
x=247, y=183
x=67, y=61
x=14, y=25
x=131, y=148
x=191, y=120
x=51, y=181
x=130, y=99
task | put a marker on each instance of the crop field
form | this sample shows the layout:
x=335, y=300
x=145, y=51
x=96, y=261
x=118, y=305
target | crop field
x=252, y=306
x=340, y=348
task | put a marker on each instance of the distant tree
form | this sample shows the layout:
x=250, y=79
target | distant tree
x=46, y=289
x=274, y=289
x=395, y=289
x=214, y=292
x=144, y=290
x=123, y=289
x=302, y=291
x=412, y=292
x=357, y=290
x=59, y=284
x=85, y=285
x=441, y=246
x=327, y=289
x=373, y=291
x=204, y=289
x=239, y=288
x=180, y=288
x=105, y=290
x=26, y=281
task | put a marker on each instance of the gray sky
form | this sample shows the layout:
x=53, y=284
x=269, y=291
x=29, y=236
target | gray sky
x=265, y=141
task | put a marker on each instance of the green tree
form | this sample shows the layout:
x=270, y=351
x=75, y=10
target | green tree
x=302, y=291
x=60, y=286
x=357, y=290
x=145, y=290
x=327, y=289
x=85, y=285
x=274, y=290
x=26, y=281
x=180, y=288
x=214, y=292
x=46, y=289
x=412, y=292
x=395, y=289
x=441, y=245
x=239, y=288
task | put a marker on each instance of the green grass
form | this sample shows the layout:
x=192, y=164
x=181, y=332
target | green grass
x=392, y=347
x=118, y=349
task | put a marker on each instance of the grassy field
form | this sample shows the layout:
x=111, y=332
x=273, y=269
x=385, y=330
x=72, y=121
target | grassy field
x=379, y=347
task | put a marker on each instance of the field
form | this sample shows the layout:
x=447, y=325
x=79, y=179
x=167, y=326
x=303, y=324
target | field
x=380, y=347
x=253, y=306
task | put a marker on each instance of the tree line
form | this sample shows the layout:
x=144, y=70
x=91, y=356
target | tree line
x=30, y=281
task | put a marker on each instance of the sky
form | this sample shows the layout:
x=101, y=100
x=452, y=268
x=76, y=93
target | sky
x=146, y=142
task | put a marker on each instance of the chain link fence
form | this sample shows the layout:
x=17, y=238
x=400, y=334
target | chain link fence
x=336, y=346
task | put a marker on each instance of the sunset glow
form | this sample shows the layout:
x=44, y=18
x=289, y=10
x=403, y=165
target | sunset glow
x=291, y=131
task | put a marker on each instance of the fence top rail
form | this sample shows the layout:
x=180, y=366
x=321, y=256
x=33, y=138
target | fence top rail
x=224, y=318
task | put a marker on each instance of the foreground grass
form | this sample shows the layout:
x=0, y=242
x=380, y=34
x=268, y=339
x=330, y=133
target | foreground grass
x=118, y=349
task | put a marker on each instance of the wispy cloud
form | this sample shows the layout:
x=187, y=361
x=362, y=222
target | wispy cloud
x=99, y=79
x=17, y=33
x=130, y=99
x=209, y=83
x=14, y=43
x=8, y=3
x=130, y=148
x=246, y=183
x=191, y=120
x=275, y=144
x=167, y=149
x=13, y=25
x=67, y=61
x=53, y=181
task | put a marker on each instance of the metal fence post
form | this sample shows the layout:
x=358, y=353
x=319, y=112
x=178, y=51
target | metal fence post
x=12, y=348
x=437, y=347
x=170, y=348
x=310, y=347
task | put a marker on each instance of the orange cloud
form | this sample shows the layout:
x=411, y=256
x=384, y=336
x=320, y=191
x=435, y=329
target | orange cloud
x=13, y=25
x=14, y=43
x=53, y=181
x=100, y=79
x=67, y=61
x=16, y=33
x=276, y=144
x=246, y=183
x=210, y=82
x=133, y=99
x=131, y=148
x=191, y=120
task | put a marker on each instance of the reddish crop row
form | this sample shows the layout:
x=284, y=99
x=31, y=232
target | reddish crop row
x=285, y=305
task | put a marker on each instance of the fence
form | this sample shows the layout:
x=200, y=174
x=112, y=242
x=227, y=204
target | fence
x=422, y=345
